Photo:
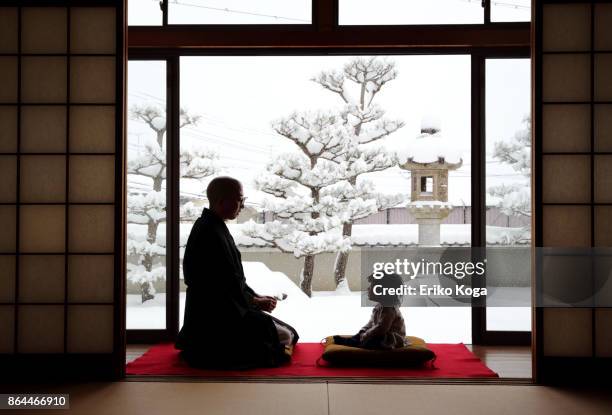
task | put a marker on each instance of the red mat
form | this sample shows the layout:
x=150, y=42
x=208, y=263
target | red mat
x=453, y=361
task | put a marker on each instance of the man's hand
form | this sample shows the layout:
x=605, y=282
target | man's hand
x=265, y=303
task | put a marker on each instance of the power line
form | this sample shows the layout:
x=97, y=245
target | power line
x=207, y=136
x=239, y=129
x=202, y=134
x=510, y=5
x=227, y=10
x=501, y=4
x=144, y=95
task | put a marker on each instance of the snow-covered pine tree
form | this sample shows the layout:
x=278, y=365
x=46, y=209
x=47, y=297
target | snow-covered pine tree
x=515, y=199
x=148, y=207
x=357, y=86
x=304, y=206
x=316, y=190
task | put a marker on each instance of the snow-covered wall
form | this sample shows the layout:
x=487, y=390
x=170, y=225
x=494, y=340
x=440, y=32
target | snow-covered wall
x=512, y=271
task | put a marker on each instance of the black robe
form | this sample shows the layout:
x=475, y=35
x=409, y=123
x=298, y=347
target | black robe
x=221, y=328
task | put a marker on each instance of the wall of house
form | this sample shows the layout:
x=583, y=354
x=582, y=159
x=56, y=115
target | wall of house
x=573, y=174
x=61, y=250
x=458, y=215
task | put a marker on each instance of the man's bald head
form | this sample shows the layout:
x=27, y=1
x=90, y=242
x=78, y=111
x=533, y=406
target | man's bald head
x=222, y=188
x=225, y=197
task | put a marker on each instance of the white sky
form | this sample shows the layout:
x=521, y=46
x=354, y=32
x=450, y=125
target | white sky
x=508, y=101
x=147, y=12
x=252, y=91
x=353, y=12
x=238, y=98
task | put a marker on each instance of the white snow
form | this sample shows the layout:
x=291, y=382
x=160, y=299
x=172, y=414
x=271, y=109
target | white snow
x=267, y=282
x=427, y=148
x=328, y=313
x=430, y=204
x=159, y=123
x=343, y=287
x=403, y=235
x=431, y=122
x=324, y=314
x=379, y=235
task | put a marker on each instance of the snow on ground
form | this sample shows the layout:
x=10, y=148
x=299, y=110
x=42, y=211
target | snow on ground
x=328, y=313
x=267, y=282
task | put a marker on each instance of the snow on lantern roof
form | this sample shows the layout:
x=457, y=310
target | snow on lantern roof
x=430, y=146
x=430, y=124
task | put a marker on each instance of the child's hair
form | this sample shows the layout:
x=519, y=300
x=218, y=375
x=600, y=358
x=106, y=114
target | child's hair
x=388, y=280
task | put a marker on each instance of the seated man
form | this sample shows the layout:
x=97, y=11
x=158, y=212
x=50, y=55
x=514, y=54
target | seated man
x=225, y=325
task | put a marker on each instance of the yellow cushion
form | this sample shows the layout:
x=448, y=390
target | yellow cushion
x=288, y=350
x=416, y=353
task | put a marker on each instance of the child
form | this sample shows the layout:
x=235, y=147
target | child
x=386, y=328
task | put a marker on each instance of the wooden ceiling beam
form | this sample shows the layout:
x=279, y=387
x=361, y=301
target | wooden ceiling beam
x=194, y=38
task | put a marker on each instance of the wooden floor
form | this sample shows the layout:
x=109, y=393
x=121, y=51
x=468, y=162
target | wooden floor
x=508, y=361
x=134, y=351
x=324, y=398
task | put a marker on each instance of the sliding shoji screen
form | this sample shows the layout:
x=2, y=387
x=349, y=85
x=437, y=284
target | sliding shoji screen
x=573, y=172
x=61, y=185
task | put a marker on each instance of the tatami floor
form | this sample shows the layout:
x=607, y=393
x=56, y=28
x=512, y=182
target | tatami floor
x=187, y=398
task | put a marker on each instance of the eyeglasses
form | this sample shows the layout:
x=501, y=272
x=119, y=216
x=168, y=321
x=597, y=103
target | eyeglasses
x=242, y=200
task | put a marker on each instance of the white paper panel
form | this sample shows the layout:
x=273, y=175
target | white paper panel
x=41, y=328
x=92, y=30
x=92, y=129
x=90, y=278
x=90, y=329
x=603, y=330
x=8, y=79
x=41, y=278
x=603, y=77
x=8, y=132
x=566, y=77
x=92, y=179
x=566, y=128
x=566, y=179
x=567, y=332
x=92, y=80
x=43, y=29
x=41, y=228
x=603, y=127
x=91, y=229
x=7, y=328
x=8, y=30
x=7, y=224
x=603, y=226
x=43, y=179
x=567, y=226
x=7, y=278
x=566, y=27
x=603, y=179
x=603, y=27
x=43, y=86
x=43, y=129
x=567, y=280
x=8, y=179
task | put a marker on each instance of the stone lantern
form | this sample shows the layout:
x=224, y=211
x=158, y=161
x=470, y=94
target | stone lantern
x=429, y=157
